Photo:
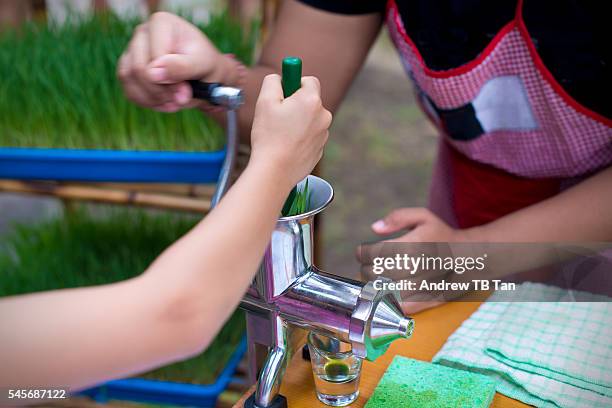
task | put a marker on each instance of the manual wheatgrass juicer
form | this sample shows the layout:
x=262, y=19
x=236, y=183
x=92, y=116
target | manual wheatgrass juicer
x=290, y=296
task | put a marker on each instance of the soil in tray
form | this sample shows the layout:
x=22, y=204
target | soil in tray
x=81, y=249
x=60, y=90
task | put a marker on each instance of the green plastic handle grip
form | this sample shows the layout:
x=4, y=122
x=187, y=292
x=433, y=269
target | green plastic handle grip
x=292, y=75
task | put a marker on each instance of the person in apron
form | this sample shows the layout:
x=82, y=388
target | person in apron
x=512, y=136
x=516, y=89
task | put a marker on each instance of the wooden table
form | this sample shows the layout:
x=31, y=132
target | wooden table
x=432, y=328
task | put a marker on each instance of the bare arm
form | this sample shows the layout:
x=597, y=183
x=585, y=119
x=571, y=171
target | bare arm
x=332, y=46
x=79, y=337
x=581, y=213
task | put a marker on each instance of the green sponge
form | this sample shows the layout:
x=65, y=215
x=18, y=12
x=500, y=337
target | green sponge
x=412, y=383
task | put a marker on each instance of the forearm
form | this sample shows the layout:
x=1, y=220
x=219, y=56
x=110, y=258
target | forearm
x=317, y=37
x=581, y=213
x=80, y=337
x=216, y=261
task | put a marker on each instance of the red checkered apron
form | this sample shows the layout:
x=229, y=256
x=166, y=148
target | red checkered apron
x=504, y=169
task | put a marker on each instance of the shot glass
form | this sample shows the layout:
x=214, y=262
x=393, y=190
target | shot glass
x=336, y=370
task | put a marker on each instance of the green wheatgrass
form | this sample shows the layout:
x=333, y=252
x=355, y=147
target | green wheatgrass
x=59, y=89
x=81, y=249
x=298, y=201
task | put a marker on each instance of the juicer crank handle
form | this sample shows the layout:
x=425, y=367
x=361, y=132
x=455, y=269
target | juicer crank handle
x=217, y=94
x=202, y=90
x=227, y=168
x=229, y=98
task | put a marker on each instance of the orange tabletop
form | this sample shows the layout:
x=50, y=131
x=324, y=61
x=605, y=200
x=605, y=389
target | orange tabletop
x=432, y=328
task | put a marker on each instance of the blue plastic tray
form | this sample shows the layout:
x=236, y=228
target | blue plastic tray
x=165, y=392
x=110, y=165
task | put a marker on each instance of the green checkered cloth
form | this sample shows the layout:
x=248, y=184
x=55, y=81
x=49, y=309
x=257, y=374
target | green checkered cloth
x=552, y=353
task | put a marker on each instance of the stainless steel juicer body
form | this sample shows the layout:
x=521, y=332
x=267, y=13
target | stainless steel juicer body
x=291, y=296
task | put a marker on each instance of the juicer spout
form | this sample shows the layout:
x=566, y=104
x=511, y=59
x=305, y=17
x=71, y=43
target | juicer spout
x=377, y=321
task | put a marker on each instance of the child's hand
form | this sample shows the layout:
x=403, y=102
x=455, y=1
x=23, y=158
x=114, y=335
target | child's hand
x=289, y=134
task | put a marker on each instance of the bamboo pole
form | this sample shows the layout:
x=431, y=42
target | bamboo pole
x=106, y=195
x=189, y=190
x=182, y=197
